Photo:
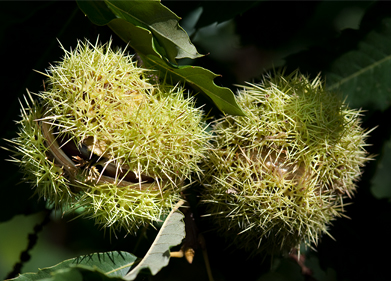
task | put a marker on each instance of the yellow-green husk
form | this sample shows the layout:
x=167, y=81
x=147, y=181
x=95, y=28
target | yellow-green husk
x=278, y=176
x=98, y=100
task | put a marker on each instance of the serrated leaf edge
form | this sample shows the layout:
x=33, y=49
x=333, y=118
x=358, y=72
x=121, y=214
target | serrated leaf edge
x=204, y=90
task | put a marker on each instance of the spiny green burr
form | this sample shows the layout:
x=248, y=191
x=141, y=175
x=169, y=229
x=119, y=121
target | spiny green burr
x=103, y=137
x=279, y=176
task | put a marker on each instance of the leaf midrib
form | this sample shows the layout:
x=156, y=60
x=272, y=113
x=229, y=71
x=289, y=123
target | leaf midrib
x=359, y=72
x=119, y=268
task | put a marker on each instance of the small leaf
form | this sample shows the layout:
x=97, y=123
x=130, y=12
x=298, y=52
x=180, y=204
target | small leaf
x=200, y=79
x=363, y=75
x=158, y=255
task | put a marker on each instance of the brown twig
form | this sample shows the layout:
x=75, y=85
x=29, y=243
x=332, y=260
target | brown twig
x=193, y=241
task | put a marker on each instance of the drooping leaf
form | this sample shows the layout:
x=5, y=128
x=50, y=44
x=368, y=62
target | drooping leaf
x=199, y=79
x=363, y=75
x=163, y=24
x=150, y=15
x=139, y=38
x=143, y=40
x=171, y=234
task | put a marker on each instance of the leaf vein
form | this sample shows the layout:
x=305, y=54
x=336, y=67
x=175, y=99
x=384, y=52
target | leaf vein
x=359, y=72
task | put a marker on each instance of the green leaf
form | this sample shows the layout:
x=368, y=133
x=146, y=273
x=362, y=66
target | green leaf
x=364, y=75
x=163, y=24
x=117, y=265
x=65, y=274
x=381, y=182
x=199, y=79
x=110, y=264
x=139, y=38
x=97, y=11
x=158, y=255
x=150, y=15
x=143, y=39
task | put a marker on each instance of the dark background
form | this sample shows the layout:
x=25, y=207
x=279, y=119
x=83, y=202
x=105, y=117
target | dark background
x=260, y=35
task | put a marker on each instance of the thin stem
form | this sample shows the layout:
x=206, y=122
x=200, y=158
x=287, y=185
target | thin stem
x=32, y=241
